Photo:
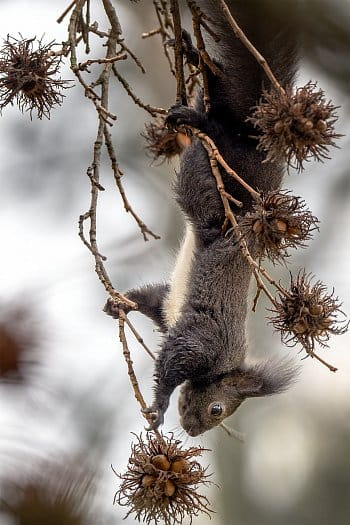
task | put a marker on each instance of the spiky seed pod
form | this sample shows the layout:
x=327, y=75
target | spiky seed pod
x=295, y=126
x=161, y=482
x=278, y=221
x=50, y=494
x=164, y=143
x=307, y=314
x=27, y=76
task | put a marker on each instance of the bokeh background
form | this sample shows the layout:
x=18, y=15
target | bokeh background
x=70, y=402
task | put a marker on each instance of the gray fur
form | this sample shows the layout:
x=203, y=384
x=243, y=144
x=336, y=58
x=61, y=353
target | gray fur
x=230, y=389
x=205, y=349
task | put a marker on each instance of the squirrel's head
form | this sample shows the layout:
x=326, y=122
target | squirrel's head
x=206, y=403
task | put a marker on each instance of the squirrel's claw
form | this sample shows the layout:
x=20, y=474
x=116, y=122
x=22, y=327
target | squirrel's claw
x=155, y=417
x=179, y=115
x=112, y=308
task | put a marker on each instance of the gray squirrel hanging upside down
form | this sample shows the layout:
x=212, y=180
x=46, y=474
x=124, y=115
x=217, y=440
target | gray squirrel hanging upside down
x=202, y=311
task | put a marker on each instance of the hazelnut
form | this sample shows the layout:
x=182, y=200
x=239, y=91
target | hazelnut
x=183, y=140
x=321, y=126
x=179, y=465
x=257, y=226
x=169, y=488
x=147, y=480
x=161, y=462
x=316, y=309
x=300, y=327
x=294, y=230
x=280, y=225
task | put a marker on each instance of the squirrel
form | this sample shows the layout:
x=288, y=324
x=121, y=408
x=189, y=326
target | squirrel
x=202, y=312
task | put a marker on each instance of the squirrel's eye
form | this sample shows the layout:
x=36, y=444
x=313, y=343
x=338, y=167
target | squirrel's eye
x=215, y=409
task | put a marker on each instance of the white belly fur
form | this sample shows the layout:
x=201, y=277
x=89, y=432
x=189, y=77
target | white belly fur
x=179, y=280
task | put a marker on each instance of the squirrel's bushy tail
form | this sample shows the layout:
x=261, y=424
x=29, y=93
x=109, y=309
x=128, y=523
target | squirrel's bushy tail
x=273, y=30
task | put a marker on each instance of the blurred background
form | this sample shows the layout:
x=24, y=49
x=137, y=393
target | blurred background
x=66, y=407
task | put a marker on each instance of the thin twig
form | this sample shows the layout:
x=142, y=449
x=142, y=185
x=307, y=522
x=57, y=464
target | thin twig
x=151, y=33
x=132, y=54
x=117, y=177
x=251, y=48
x=150, y=109
x=215, y=152
x=65, y=12
x=163, y=24
x=328, y=365
x=83, y=65
x=139, y=338
x=131, y=373
x=181, y=97
x=197, y=22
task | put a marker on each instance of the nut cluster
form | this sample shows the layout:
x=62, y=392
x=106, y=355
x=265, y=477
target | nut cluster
x=162, y=142
x=161, y=482
x=307, y=313
x=27, y=76
x=278, y=221
x=295, y=125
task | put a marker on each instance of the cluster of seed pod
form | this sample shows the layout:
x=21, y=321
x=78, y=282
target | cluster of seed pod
x=27, y=76
x=307, y=313
x=163, y=142
x=161, y=463
x=295, y=125
x=161, y=481
x=278, y=221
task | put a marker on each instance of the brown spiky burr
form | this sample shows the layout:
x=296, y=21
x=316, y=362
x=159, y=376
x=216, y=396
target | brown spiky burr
x=277, y=222
x=28, y=70
x=163, y=142
x=307, y=313
x=161, y=482
x=295, y=125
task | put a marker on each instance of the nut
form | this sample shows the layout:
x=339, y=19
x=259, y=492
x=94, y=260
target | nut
x=147, y=480
x=161, y=462
x=169, y=488
x=179, y=465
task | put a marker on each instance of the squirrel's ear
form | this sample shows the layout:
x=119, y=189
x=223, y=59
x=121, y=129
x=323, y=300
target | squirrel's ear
x=249, y=385
x=267, y=378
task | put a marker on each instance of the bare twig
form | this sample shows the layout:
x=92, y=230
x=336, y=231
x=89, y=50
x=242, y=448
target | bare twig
x=197, y=20
x=139, y=338
x=151, y=33
x=215, y=153
x=83, y=65
x=150, y=109
x=65, y=12
x=132, y=54
x=252, y=49
x=164, y=24
x=131, y=373
x=117, y=177
x=181, y=97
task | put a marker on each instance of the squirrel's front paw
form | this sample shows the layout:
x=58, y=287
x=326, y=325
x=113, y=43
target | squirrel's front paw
x=112, y=308
x=179, y=115
x=155, y=417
